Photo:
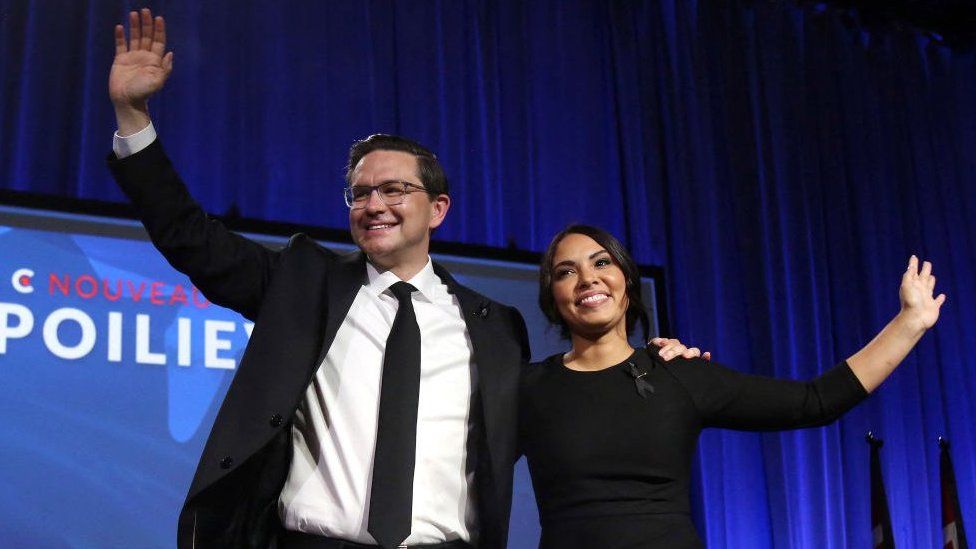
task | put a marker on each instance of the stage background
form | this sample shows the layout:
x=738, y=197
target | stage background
x=779, y=160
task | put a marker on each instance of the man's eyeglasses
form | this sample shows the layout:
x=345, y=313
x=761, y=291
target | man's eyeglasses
x=390, y=192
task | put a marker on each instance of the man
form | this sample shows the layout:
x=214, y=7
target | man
x=364, y=410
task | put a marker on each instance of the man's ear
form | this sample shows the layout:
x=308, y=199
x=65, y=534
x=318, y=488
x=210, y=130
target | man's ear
x=439, y=207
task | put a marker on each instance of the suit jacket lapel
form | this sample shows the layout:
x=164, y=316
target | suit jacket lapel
x=477, y=311
x=342, y=285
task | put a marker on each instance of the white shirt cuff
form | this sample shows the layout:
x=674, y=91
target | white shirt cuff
x=130, y=145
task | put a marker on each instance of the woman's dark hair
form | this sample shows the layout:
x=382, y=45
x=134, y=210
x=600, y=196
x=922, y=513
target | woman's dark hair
x=429, y=170
x=635, y=310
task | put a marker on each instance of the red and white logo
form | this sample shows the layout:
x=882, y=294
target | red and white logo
x=21, y=281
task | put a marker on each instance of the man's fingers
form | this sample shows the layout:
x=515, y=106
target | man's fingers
x=168, y=63
x=120, y=40
x=672, y=350
x=134, y=32
x=159, y=36
x=146, y=39
x=692, y=352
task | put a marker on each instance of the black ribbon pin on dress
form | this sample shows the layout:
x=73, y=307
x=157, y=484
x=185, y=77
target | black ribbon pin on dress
x=644, y=387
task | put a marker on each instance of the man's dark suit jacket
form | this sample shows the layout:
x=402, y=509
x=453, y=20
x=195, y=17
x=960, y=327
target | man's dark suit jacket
x=298, y=297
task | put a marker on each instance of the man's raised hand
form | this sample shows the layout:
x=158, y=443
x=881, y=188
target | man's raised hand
x=140, y=69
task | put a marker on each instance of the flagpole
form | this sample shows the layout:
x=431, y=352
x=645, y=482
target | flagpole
x=953, y=533
x=881, y=532
x=877, y=442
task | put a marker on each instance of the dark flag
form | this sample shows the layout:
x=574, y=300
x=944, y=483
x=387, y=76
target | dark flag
x=881, y=535
x=954, y=536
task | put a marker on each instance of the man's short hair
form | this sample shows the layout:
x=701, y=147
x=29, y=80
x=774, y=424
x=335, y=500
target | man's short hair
x=429, y=170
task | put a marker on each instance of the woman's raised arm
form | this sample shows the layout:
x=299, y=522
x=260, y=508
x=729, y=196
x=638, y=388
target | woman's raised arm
x=919, y=311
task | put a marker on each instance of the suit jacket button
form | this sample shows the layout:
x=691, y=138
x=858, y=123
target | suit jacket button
x=226, y=462
x=483, y=313
x=275, y=420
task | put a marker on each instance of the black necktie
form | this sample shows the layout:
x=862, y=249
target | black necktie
x=391, y=495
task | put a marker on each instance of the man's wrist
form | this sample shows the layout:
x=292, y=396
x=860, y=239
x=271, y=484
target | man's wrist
x=131, y=119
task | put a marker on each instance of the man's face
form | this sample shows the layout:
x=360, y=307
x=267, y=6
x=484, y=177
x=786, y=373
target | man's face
x=394, y=237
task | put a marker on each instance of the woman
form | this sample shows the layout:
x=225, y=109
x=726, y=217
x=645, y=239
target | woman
x=609, y=432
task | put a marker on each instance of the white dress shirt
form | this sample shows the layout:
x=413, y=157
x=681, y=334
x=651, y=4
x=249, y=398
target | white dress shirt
x=334, y=429
x=334, y=432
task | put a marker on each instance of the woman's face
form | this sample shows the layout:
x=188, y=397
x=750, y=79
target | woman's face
x=589, y=288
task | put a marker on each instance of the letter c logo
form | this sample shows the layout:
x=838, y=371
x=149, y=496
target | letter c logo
x=21, y=280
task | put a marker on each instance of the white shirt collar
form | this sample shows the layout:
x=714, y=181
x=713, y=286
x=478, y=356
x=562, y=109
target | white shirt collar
x=425, y=280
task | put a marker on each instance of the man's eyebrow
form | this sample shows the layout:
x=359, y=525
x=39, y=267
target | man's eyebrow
x=384, y=182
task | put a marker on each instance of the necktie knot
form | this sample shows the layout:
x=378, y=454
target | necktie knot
x=402, y=290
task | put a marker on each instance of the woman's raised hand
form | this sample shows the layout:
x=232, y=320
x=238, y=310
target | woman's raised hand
x=916, y=294
x=919, y=311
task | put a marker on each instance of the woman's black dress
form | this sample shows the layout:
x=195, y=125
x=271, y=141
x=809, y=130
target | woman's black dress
x=610, y=451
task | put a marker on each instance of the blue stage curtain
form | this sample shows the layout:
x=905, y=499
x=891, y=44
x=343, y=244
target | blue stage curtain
x=779, y=161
